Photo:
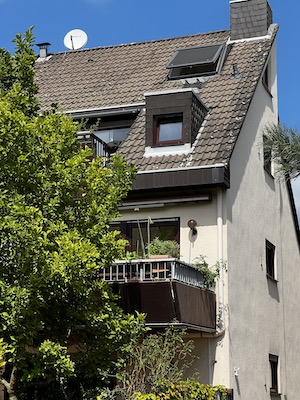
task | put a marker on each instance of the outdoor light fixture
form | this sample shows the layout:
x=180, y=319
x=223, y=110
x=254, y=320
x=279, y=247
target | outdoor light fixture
x=192, y=225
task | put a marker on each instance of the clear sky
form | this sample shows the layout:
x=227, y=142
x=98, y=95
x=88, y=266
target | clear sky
x=110, y=22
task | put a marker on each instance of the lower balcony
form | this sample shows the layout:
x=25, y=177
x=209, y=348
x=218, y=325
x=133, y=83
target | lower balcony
x=168, y=291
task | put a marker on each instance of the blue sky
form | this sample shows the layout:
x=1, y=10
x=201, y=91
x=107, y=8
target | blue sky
x=109, y=22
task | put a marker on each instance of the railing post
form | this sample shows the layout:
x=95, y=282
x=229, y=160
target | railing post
x=141, y=272
x=173, y=269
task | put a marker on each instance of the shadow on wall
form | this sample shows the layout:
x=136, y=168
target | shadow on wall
x=273, y=289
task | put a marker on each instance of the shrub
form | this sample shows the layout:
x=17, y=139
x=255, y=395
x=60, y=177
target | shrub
x=168, y=247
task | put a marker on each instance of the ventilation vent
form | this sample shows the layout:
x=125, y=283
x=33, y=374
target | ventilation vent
x=196, y=61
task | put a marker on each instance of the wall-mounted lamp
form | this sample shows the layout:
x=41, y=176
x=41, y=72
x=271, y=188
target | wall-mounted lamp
x=192, y=225
x=236, y=371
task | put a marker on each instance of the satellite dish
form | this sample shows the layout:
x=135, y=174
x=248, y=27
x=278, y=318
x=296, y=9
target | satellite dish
x=75, y=39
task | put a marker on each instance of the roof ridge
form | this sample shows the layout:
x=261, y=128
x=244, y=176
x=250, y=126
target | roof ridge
x=141, y=43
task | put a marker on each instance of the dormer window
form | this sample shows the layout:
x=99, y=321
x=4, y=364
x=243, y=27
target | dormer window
x=196, y=61
x=168, y=130
x=173, y=120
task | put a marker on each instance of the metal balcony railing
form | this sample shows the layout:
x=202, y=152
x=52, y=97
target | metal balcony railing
x=153, y=270
x=99, y=148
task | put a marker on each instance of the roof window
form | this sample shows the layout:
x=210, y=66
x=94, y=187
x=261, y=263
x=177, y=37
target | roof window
x=196, y=61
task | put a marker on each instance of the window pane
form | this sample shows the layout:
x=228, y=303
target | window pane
x=274, y=373
x=169, y=131
x=112, y=135
x=168, y=230
x=270, y=259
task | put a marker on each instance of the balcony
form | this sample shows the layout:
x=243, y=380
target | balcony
x=168, y=291
x=99, y=148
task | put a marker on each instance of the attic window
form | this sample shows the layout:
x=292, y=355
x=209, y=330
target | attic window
x=195, y=61
x=173, y=119
x=168, y=129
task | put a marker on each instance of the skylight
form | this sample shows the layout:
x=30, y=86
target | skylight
x=195, y=61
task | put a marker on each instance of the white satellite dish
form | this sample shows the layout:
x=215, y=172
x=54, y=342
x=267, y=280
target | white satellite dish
x=75, y=39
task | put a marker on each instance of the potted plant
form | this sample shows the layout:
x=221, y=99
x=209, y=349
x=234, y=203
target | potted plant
x=164, y=248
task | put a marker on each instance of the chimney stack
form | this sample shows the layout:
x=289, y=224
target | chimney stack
x=43, y=49
x=249, y=18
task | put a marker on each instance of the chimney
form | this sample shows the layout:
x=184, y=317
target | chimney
x=43, y=49
x=249, y=18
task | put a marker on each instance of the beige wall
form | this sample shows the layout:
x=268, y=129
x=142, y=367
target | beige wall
x=191, y=247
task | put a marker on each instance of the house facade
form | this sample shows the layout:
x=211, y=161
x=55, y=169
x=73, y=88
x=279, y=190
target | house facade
x=190, y=113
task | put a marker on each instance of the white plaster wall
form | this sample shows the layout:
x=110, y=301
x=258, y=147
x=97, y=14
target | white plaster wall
x=212, y=362
x=261, y=312
x=191, y=247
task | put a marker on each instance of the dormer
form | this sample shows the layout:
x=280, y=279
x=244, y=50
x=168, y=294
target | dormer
x=173, y=120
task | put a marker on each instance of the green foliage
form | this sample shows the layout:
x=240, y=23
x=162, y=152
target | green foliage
x=17, y=74
x=51, y=360
x=183, y=390
x=284, y=145
x=3, y=352
x=158, y=357
x=165, y=247
x=210, y=274
x=58, y=319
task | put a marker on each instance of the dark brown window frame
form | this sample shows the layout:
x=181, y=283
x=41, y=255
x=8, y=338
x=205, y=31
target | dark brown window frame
x=274, y=373
x=270, y=260
x=170, y=118
x=126, y=228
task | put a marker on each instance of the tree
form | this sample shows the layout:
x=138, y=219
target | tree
x=283, y=145
x=58, y=319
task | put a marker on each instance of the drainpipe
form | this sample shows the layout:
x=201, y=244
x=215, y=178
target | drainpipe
x=221, y=323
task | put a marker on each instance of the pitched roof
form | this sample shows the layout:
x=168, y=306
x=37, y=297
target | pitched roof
x=121, y=75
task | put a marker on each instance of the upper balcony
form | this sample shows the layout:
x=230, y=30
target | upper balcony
x=167, y=290
x=98, y=146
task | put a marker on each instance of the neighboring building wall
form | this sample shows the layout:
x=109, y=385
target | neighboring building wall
x=261, y=322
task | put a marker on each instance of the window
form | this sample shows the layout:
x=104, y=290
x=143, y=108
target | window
x=274, y=373
x=267, y=156
x=173, y=119
x=168, y=130
x=266, y=78
x=105, y=133
x=137, y=232
x=112, y=138
x=270, y=259
x=195, y=61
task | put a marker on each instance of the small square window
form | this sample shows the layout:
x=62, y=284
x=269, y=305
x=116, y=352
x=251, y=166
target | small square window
x=270, y=259
x=168, y=130
x=274, y=373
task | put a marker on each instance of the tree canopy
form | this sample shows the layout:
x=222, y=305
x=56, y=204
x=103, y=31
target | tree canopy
x=57, y=317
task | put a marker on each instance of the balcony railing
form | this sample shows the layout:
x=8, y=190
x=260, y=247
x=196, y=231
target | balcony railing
x=154, y=270
x=166, y=290
x=99, y=148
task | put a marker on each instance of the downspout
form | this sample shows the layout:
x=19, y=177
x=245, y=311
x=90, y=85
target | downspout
x=220, y=322
x=220, y=316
